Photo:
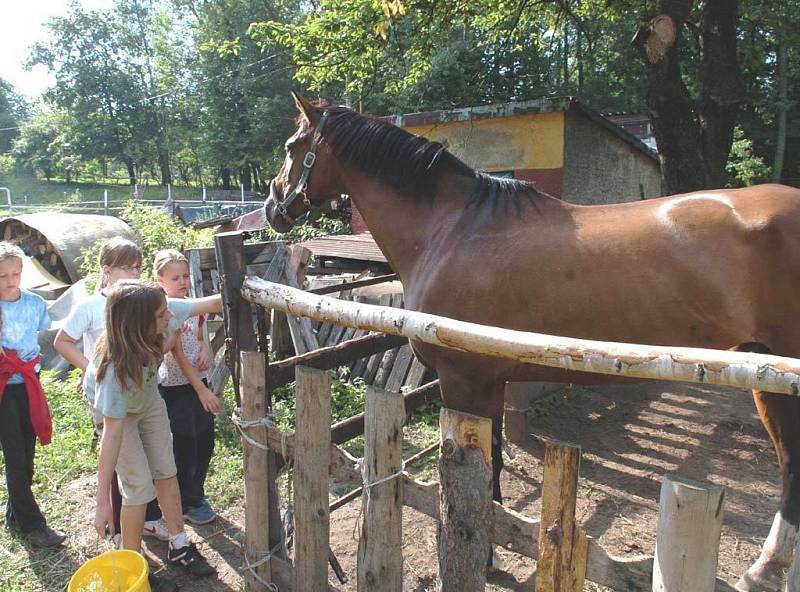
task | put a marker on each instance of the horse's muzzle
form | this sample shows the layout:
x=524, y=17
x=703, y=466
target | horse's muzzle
x=275, y=214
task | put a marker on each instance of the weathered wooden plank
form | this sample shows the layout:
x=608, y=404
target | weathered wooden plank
x=380, y=554
x=380, y=279
x=687, y=538
x=402, y=363
x=303, y=335
x=336, y=335
x=416, y=373
x=465, y=481
x=253, y=253
x=312, y=528
x=238, y=315
x=554, y=567
x=326, y=358
x=195, y=274
x=256, y=466
x=323, y=332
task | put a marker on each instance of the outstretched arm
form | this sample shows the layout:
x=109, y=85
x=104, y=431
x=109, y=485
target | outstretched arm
x=207, y=304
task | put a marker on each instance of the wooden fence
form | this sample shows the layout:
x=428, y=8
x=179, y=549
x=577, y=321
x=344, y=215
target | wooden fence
x=565, y=554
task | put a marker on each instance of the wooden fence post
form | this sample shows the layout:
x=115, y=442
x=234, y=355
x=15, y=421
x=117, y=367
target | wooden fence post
x=465, y=496
x=563, y=546
x=380, y=554
x=256, y=490
x=793, y=577
x=687, y=540
x=312, y=457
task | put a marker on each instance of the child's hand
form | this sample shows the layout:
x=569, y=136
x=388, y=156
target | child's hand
x=203, y=358
x=209, y=400
x=103, y=518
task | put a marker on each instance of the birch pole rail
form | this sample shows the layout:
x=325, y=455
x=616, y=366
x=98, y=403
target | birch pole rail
x=764, y=372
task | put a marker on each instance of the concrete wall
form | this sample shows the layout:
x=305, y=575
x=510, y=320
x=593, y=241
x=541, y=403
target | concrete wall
x=530, y=141
x=600, y=167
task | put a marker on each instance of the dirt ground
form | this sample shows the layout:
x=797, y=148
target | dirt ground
x=631, y=435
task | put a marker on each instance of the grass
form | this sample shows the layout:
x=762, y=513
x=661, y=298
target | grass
x=33, y=191
x=65, y=488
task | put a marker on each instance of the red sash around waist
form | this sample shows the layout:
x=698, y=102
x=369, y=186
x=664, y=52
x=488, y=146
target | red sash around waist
x=11, y=364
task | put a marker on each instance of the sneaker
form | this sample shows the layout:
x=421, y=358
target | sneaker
x=44, y=536
x=190, y=558
x=156, y=528
x=161, y=584
x=199, y=514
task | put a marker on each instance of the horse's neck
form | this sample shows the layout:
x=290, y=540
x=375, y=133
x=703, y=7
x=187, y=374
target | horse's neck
x=403, y=226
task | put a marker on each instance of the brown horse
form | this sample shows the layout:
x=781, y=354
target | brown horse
x=714, y=269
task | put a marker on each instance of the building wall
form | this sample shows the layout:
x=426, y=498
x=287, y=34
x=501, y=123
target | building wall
x=503, y=144
x=602, y=168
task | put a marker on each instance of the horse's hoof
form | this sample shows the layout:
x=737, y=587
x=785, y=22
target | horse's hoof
x=761, y=577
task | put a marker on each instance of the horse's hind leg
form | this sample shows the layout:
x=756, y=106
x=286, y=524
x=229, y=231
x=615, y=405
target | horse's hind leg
x=781, y=417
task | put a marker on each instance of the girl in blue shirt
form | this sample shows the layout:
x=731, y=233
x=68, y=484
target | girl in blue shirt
x=23, y=409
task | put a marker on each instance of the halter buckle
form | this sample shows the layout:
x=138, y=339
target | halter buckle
x=309, y=160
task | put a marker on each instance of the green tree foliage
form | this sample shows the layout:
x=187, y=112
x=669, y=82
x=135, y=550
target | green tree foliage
x=13, y=111
x=196, y=90
x=433, y=54
x=243, y=96
x=43, y=146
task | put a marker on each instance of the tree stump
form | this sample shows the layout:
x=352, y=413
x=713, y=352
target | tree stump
x=465, y=496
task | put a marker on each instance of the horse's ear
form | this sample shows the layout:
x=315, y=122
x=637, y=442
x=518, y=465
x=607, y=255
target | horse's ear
x=303, y=106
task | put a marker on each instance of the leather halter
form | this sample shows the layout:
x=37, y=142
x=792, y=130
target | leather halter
x=282, y=205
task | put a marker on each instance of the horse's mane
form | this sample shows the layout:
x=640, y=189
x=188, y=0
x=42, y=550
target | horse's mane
x=409, y=164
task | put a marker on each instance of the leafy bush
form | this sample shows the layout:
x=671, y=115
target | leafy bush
x=155, y=230
x=7, y=165
x=323, y=226
x=744, y=167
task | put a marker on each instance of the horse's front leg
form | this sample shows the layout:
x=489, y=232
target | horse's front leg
x=781, y=417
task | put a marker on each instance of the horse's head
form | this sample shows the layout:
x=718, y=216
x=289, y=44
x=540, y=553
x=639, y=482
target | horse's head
x=307, y=178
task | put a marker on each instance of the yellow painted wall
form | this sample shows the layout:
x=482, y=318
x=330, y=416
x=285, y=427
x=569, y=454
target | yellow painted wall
x=531, y=141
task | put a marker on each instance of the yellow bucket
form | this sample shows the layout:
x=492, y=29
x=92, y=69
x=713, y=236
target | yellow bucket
x=113, y=571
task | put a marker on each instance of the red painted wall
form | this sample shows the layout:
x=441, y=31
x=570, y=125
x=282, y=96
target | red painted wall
x=357, y=223
x=548, y=180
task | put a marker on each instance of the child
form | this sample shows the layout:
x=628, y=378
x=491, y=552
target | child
x=183, y=384
x=119, y=259
x=24, y=414
x=123, y=380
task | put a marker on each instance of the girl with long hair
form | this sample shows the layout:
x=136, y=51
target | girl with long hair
x=119, y=259
x=122, y=380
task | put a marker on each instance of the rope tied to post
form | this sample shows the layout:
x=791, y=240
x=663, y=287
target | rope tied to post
x=244, y=424
x=251, y=567
x=367, y=487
